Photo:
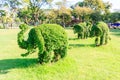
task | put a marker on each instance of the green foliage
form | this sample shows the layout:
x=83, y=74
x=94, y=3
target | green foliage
x=96, y=16
x=97, y=5
x=114, y=17
x=51, y=16
x=83, y=13
x=83, y=62
x=21, y=42
x=82, y=29
x=55, y=39
x=64, y=15
x=100, y=30
x=25, y=16
x=2, y=13
x=47, y=38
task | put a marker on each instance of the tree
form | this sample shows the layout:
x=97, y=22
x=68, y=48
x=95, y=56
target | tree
x=3, y=17
x=80, y=4
x=35, y=7
x=97, y=5
x=64, y=15
x=33, y=14
x=114, y=17
x=52, y=16
x=25, y=15
x=61, y=3
x=12, y=6
x=96, y=16
x=82, y=13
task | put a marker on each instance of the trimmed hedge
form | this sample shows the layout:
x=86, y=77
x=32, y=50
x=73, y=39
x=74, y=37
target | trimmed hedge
x=21, y=42
x=82, y=30
x=47, y=38
x=100, y=30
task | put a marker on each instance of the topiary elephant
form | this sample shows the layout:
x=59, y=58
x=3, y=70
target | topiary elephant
x=100, y=30
x=48, y=38
x=82, y=30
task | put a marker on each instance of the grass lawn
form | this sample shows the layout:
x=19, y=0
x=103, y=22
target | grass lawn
x=83, y=62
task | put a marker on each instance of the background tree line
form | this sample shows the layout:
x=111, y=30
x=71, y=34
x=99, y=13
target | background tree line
x=35, y=12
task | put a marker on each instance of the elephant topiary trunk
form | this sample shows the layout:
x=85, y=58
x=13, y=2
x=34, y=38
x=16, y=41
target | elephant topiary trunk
x=21, y=42
x=100, y=30
x=47, y=38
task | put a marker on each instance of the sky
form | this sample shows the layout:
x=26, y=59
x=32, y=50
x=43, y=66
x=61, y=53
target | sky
x=115, y=3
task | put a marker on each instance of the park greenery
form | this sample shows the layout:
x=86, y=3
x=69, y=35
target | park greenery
x=34, y=12
x=84, y=61
x=100, y=30
x=53, y=30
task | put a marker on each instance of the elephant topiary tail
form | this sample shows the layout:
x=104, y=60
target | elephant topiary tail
x=21, y=42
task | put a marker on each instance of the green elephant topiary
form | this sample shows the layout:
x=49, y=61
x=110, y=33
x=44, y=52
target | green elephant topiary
x=47, y=38
x=82, y=30
x=100, y=30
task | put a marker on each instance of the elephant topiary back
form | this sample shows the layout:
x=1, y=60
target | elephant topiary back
x=53, y=35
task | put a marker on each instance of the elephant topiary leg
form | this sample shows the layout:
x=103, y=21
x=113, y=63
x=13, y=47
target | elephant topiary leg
x=56, y=55
x=59, y=53
x=63, y=51
x=97, y=41
x=102, y=39
x=106, y=38
x=79, y=36
x=43, y=57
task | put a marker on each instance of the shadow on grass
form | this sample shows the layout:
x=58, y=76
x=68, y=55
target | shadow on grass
x=82, y=45
x=7, y=64
x=73, y=39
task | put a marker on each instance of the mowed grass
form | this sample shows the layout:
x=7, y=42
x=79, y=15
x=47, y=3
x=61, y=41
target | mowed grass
x=84, y=61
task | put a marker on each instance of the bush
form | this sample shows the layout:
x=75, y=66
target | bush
x=47, y=38
x=82, y=30
x=21, y=42
x=100, y=30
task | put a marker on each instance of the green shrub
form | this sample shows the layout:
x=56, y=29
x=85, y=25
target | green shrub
x=47, y=38
x=82, y=30
x=21, y=42
x=100, y=30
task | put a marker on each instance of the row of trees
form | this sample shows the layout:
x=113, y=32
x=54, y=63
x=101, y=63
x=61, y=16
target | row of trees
x=32, y=12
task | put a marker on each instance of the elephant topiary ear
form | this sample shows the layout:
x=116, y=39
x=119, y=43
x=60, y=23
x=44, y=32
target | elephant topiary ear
x=23, y=27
